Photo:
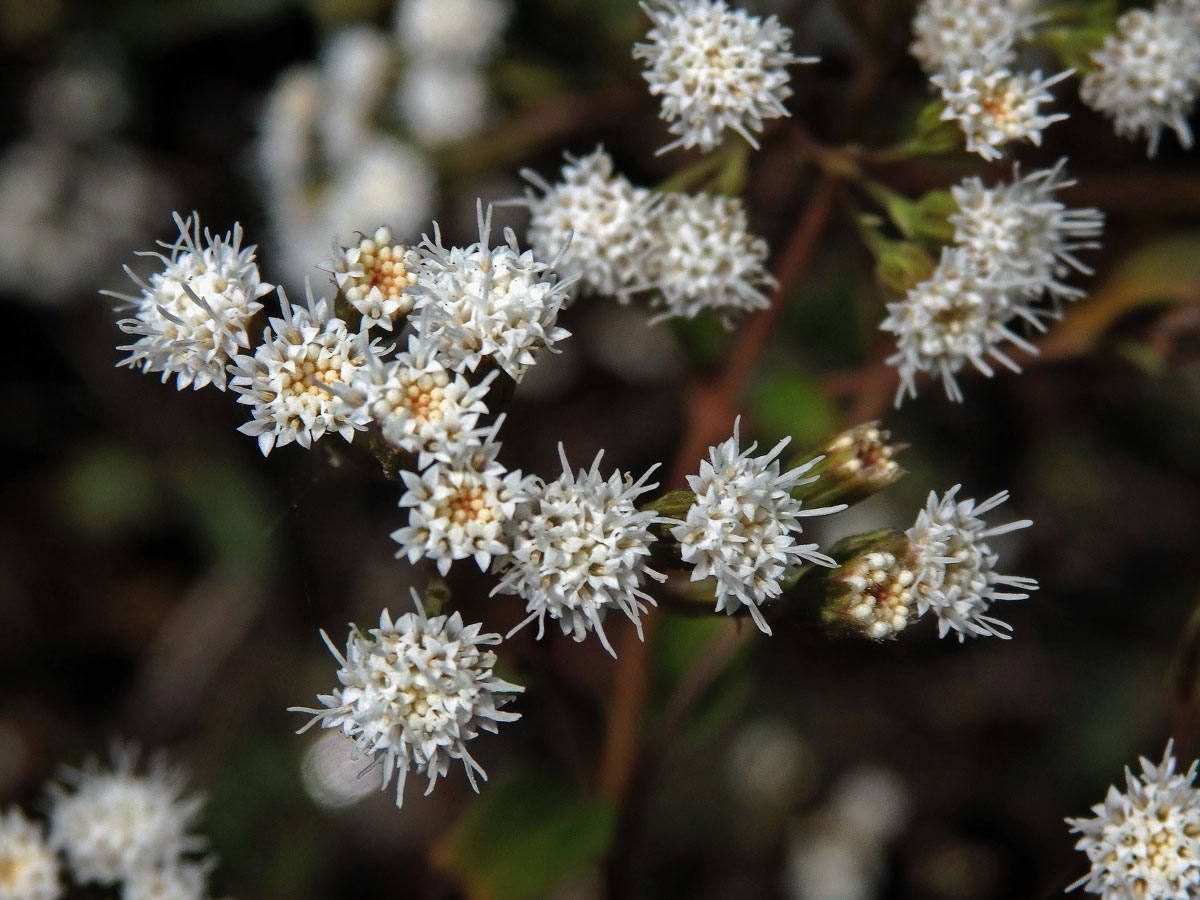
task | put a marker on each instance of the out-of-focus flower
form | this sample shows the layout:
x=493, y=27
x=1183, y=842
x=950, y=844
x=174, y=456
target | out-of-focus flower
x=716, y=69
x=952, y=34
x=28, y=867
x=467, y=31
x=414, y=692
x=441, y=103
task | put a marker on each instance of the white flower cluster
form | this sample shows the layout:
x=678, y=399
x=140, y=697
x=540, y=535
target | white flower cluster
x=1014, y=243
x=28, y=866
x=968, y=47
x=375, y=276
x=957, y=578
x=192, y=317
x=1147, y=75
x=876, y=593
x=413, y=692
x=443, y=95
x=1145, y=841
x=742, y=528
x=716, y=69
x=688, y=253
x=118, y=826
x=578, y=548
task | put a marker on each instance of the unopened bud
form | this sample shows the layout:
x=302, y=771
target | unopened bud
x=871, y=593
x=857, y=463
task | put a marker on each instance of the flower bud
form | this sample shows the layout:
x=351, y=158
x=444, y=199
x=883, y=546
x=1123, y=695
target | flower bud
x=856, y=464
x=871, y=593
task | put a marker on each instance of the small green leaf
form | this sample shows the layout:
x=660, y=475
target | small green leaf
x=523, y=837
x=792, y=403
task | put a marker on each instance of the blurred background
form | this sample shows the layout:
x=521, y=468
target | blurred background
x=161, y=581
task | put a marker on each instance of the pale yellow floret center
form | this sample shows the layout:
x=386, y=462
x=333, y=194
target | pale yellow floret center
x=384, y=268
x=469, y=504
x=12, y=868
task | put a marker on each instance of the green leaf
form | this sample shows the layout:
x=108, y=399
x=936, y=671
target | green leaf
x=523, y=837
x=108, y=489
x=792, y=403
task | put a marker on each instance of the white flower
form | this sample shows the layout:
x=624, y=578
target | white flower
x=291, y=378
x=958, y=578
x=716, y=69
x=374, y=276
x=1020, y=230
x=1147, y=75
x=28, y=867
x=951, y=34
x=442, y=102
x=995, y=106
x=742, y=528
x=413, y=692
x=114, y=824
x=458, y=510
x=467, y=31
x=421, y=406
x=703, y=257
x=192, y=316
x=873, y=594
x=960, y=315
x=177, y=881
x=356, y=66
x=483, y=303
x=1145, y=842
x=578, y=548
x=600, y=214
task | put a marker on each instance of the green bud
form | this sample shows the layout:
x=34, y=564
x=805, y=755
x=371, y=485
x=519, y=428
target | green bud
x=855, y=464
x=870, y=594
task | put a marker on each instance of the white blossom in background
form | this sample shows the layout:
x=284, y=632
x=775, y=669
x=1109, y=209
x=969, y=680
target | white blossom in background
x=958, y=580
x=28, y=867
x=959, y=315
x=81, y=99
x=950, y=34
x=995, y=106
x=458, y=510
x=483, y=303
x=1020, y=230
x=356, y=65
x=179, y=881
x=703, y=257
x=413, y=692
x=421, y=406
x=291, y=380
x=441, y=102
x=375, y=275
x=578, y=548
x=1145, y=841
x=742, y=528
x=1189, y=9
x=287, y=126
x=192, y=316
x=111, y=824
x=467, y=31
x=602, y=216
x=1147, y=75
x=715, y=69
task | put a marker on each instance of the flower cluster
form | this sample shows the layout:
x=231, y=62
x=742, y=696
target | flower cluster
x=968, y=48
x=413, y=692
x=873, y=593
x=1014, y=244
x=28, y=866
x=686, y=253
x=957, y=578
x=1144, y=841
x=578, y=548
x=716, y=69
x=1147, y=75
x=742, y=528
x=375, y=276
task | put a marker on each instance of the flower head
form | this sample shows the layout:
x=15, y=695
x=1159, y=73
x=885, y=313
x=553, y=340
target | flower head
x=413, y=692
x=1020, y=230
x=742, y=528
x=995, y=106
x=716, y=69
x=959, y=315
x=467, y=31
x=872, y=594
x=578, y=548
x=1147, y=75
x=958, y=580
x=192, y=316
x=600, y=214
x=375, y=276
x=704, y=257
x=481, y=302
x=951, y=34
x=291, y=378
x=114, y=824
x=28, y=867
x=179, y=881
x=458, y=509
x=1144, y=842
